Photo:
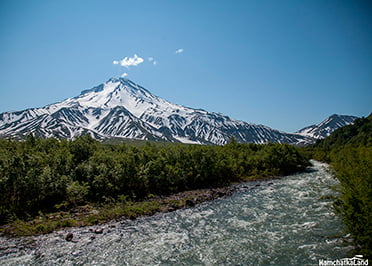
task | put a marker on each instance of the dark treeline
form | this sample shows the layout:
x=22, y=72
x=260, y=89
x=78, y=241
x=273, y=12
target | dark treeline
x=349, y=151
x=47, y=174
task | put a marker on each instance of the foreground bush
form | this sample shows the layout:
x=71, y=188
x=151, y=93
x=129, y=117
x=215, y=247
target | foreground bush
x=353, y=166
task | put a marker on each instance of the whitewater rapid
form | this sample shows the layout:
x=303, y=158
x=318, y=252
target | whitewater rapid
x=286, y=221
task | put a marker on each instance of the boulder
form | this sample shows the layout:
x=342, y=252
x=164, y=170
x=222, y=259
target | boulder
x=190, y=203
x=98, y=231
x=69, y=236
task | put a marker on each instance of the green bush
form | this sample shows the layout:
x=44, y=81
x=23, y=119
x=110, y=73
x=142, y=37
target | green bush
x=353, y=166
x=45, y=174
x=76, y=192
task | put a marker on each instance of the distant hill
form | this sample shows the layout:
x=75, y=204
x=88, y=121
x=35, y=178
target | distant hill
x=327, y=126
x=358, y=133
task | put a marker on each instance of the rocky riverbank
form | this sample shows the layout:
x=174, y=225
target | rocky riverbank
x=89, y=215
x=86, y=223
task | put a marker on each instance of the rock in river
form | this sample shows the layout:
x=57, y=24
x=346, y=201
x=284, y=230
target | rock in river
x=69, y=236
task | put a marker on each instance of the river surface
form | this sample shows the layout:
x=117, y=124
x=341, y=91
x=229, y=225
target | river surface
x=286, y=221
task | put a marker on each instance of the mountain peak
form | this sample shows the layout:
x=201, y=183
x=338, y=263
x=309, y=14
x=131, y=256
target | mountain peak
x=117, y=81
x=327, y=126
x=116, y=92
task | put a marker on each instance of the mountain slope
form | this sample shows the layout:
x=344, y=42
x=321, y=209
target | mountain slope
x=327, y=126
x=359, y=133
x=121, y=108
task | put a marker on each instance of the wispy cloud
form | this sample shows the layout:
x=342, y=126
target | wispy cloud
x=151, y=59
x=124, y=75
x=178, y=51
x=129, y=61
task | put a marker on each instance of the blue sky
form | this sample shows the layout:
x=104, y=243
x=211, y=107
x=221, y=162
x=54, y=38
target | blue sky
x=284, y=64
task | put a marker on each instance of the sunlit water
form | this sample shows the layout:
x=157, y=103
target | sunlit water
x=286, y=221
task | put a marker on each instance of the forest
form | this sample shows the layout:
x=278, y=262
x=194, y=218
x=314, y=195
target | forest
x=44, y=175
x=349, y=151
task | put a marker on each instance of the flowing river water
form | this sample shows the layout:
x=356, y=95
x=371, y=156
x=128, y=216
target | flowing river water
x=286, y=221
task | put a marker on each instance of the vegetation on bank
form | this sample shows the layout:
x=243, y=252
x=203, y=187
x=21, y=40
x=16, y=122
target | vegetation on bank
x=47, y=175
x=349, y=151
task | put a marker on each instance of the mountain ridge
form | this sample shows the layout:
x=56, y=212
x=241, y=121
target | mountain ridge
x=124, y=109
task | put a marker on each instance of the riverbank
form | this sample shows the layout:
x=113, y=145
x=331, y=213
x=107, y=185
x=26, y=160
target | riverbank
x=285, y=221
x=88, y=215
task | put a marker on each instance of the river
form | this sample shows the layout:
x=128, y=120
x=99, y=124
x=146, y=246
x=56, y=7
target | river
x=286, y=221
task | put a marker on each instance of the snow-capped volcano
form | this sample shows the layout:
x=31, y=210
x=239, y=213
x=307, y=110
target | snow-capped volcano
x=121, y=108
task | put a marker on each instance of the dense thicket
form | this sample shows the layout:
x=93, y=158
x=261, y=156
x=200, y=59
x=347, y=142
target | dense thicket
x=42, y=174
x=349, y=150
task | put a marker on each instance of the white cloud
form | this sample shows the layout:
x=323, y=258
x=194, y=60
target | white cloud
x=151, y=59
x=178, y=51
x=155, y=63
x=124, y=75
x=129, y=61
